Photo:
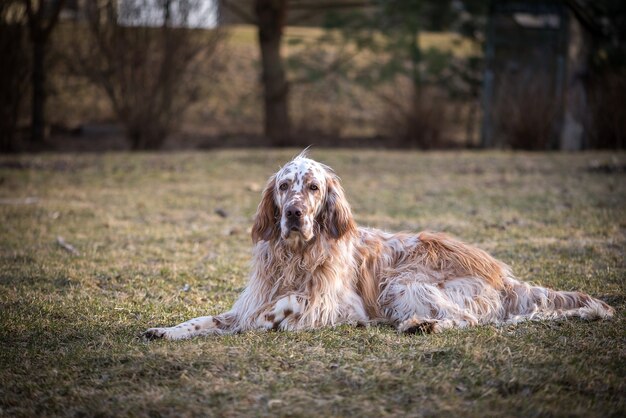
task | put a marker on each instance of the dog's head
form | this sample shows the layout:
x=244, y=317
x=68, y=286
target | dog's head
x=301, y=201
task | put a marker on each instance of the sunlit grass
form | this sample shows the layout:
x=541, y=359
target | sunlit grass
x=444, y=41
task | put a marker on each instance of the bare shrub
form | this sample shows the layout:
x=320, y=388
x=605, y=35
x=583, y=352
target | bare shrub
x=312, y=115
x=525, y=113
x=150, y=71
x=413, y=121
x=607, y=98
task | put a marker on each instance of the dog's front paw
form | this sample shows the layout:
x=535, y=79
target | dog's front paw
x=155, y=334
x=283, y=315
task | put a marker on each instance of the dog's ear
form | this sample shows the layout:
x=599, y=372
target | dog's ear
x=336, y=218
x=265, y=226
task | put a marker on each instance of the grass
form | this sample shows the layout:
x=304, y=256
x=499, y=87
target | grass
x=443, y=41
x=153, y=251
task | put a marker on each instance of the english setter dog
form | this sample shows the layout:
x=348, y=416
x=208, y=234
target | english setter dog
x=313, y=267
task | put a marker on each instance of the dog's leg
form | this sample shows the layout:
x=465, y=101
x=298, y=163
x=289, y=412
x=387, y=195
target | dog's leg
x=203, y=325
x=414, y=303
x=282, y=315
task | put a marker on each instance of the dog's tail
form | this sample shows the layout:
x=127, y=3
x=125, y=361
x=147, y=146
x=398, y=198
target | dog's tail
x=523, y=301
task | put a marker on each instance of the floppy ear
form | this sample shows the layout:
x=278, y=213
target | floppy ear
x=336, y=219
x=266, y=219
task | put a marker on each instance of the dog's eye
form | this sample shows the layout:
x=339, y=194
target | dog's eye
x=313, y=187
x=283, y=186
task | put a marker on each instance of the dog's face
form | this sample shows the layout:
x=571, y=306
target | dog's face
x=301, y=188
x=302, y=200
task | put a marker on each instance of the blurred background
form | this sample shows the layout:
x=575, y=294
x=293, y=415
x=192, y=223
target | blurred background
x=80, y=75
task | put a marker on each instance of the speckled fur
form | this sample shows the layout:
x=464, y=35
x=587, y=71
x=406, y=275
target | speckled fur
x=330, y=272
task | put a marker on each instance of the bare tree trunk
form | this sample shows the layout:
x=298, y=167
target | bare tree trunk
x=39, y=92
x=271, y=18
x=13, y=75
x=40, y=27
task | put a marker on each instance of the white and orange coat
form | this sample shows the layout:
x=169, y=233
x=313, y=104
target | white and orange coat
x=313, y=267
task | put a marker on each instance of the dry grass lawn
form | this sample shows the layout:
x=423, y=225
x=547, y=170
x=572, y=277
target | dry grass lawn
x=153, y=251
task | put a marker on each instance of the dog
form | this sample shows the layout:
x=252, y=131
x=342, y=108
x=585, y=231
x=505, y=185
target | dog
x=313, y=267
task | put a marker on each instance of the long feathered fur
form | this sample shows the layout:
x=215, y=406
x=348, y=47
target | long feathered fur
x=422, y=282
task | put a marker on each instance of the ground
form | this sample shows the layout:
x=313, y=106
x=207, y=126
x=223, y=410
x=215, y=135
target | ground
x=155, y=239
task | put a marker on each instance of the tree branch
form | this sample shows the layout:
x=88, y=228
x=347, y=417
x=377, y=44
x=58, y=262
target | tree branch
x=32, y=26
x=307, y=14
x=53, y=19
x=29, y=9
x=240, y=12
x=331, y=68
x=326, y=5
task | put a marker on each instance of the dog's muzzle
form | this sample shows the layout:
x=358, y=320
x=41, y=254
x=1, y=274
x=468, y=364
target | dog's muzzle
x=293, y=214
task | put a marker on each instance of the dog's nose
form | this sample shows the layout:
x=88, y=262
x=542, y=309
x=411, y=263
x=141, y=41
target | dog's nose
x=293, y=213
